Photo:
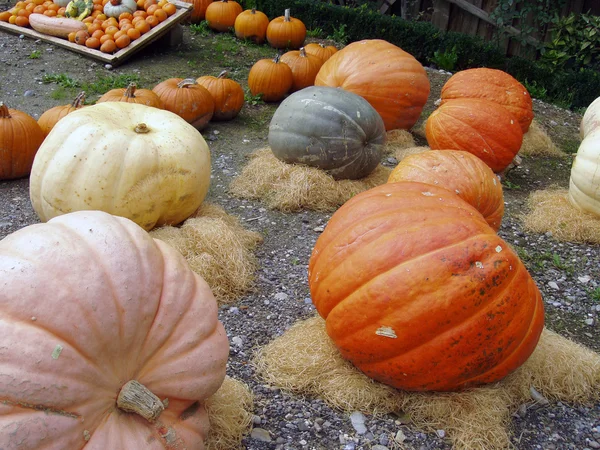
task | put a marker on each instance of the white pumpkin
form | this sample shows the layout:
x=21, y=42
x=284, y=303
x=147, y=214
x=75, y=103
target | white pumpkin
x=61, y=3
x=130, y=160
x=114, y=8
x=591, y=118
x=584, y=185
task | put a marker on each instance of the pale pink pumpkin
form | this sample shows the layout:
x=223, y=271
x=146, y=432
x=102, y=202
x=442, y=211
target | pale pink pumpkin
x=89, y=302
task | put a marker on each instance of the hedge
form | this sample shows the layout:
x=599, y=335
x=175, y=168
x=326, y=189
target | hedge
x=574, y=89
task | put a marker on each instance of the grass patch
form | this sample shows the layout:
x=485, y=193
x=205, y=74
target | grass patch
x=104, y=84
x=200, y=29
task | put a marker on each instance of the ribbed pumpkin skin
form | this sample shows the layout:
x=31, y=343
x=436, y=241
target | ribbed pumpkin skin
x=391, y=80
x=418, y=291
x=330, y=129
x=221, y=14
x=186, y=98
x=20, y=138
x=251, y=25
x=494, y=85
x=591, y=119
x=460, y=172
x=131, y=94
x=320, y=50
x=286, y=32
x=480, y=127
x=227, y=94
x=304, y=68
x=199, y=11
x=50, y=117
x=271, y=78
x=117, y=305
x=584, y=183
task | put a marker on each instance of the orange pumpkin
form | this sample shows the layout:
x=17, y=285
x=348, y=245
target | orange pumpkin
x=251, y=25
x=123, y=350
x=227, y=94
x=286, y=32
x=199, y=11
x=132, y=94
x=420, y=293
x=20, y=138
x=304, y=68
x=481, y=127
x=390, y=79
x=50, y=117
x=187, y=99
x=270, y=78
x=221, y=14
x=459, y=172
x=320, y=50
x=494, y=85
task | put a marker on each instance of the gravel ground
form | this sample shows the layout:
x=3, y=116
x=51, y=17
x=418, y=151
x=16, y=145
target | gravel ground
x=281, y=296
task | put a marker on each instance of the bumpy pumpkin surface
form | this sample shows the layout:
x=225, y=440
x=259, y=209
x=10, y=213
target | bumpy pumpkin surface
x=420, y=293
x=328, y=128
x=135, y=161
x=584, y=184
x=494, y=85
x=460, y=172
x=483, y=128
x=591, y=119
x=90, y=302
x=390, y=79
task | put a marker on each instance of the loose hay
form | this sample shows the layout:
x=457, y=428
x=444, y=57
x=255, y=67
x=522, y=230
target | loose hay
x=218, y=248
x=550, y=210
x=230, y=413
x=305, y=361
x=397, y=140
x=402, y=153
x=536, y=142
x=291, y=187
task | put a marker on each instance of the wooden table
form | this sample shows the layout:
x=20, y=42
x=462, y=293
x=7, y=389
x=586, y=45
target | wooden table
x=163, y=28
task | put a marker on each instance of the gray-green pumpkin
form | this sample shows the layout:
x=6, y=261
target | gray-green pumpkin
x=328, y=128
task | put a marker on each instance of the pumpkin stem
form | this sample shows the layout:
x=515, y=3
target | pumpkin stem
x=141, y=128
x=223, y=74
x=277, y=57
x=130, y=91
x=4, y=114
x=78, y=102
x=253, y=11
x=286, y=16
x=187, y=82
x=115, y=2
x=137, y=398
x=302, y=52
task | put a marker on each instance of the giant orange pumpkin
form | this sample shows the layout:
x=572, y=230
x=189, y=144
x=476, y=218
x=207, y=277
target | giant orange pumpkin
x=420, y=293
x=481, y=127
x=109, y=340
x=391, y=80
x=494, y=85
x=460, y=172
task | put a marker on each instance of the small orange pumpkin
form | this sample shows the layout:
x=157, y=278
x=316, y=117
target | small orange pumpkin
x=227, y=94
x=251, y=25
x=304, y=68
x=20, y=138
x=286, y=32
x=320, y=50
x=270, y=78
x=132, y=94
x=221, y=14
x=50, y=117
x=199, y=11
x=187, y=99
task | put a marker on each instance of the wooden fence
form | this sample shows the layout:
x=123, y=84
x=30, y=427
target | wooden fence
x=473, y=17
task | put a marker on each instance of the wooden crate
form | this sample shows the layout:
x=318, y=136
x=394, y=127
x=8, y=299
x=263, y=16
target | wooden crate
x=183, y=11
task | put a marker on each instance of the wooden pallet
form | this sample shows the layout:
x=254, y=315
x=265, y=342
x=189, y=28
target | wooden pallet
x=182, y=13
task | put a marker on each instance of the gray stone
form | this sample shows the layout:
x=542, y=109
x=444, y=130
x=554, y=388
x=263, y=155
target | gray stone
x=260, y=434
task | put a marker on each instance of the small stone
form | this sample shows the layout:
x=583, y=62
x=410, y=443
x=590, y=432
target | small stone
x=237, y=341
x=379, y=447
x=358, y=422
x=318, y=229
x=584, y=279
x=281, y=296
x=216, y=132
x=108, y=66
x=590, y=321
x=441, y=433
x=234, y=310
x=400, y=437
x=594, y=444
x=29, y=93
x=553, y=285
x=260, y=434
x=256, y=420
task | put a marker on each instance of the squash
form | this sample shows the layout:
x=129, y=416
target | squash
x=391, y=80
x=270, y=78
x=221, y=14
x=227, y=94
x=134, y=161
x=304, y=68
x=286, y=32
x=481, y=127
x=49, y=118
x=591, y=119
x=331, y=129
x=420, y=293
x=252, y=25
x=114, y=8
x=493, y=85
x=122, y=352
x=20, y=138
x=131, y=94
x=460, y=172
x=187, y=99
x=320, y=50
x=584, y=183
x=53, y=26
x=199, y=11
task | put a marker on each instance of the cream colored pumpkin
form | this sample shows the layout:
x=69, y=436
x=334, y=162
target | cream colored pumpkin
x=584, y=185
x=130, y=160
x=114, y=8
x=591, y=118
